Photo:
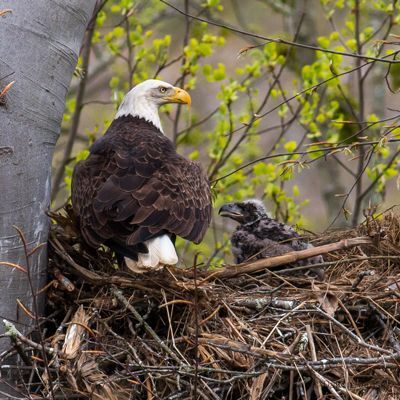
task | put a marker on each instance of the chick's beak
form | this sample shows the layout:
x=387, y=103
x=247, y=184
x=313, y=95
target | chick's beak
x=231, y=210
x=180, y=96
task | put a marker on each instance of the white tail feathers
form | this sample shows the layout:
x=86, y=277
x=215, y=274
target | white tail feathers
x=161, y=252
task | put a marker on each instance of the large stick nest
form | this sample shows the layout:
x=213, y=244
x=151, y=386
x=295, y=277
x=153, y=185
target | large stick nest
x=257, y=333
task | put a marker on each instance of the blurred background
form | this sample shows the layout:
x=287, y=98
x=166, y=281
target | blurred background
x=294, y=102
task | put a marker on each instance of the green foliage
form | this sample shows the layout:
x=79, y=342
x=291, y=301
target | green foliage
x=325, y=110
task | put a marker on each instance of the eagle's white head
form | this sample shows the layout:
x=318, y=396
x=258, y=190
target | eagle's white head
x=144, y=99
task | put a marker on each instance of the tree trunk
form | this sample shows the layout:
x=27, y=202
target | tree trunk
x=39, y=45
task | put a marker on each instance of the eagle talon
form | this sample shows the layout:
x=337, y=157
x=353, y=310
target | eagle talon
x=135, y=267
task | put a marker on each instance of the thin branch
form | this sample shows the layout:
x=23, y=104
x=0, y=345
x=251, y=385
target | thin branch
x=182, y=78
x=360, y=82
x=358, y=178
x=13, y=332
x=282, y=41
x=318, y=388
x=326, y=150
x=304, y=91
x=255, y=116
x=34, y=294
x=121, y=298
x=379, y=176
x=326, y=383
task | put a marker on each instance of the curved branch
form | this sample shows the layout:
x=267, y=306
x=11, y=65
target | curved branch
x=282, y=41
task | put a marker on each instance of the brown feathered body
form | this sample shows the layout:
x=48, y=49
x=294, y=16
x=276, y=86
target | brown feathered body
x=134, y=187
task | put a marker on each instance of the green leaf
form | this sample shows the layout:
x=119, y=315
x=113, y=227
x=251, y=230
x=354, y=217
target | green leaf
x=290, y=146
x=118, y=32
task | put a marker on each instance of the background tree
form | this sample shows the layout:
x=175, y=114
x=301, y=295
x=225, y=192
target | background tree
x=289, y=99
x=40, y=43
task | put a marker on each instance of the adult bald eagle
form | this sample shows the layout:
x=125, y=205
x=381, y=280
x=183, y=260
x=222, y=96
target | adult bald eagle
x=259, y=236
x=135, y=193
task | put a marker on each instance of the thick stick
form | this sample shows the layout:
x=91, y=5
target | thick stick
x=255, y=266
x=14, y=334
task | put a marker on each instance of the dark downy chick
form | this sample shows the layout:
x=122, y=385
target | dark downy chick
x=260, y=236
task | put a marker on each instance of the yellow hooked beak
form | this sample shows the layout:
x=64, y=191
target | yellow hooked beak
x=180, y=96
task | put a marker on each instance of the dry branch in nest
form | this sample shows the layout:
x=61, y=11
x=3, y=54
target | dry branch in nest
x=261, y=330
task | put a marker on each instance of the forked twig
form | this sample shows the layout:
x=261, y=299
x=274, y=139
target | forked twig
x=121, y=298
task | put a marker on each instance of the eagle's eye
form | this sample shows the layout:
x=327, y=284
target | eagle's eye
x=163, y=89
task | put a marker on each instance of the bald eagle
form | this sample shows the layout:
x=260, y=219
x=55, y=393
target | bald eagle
x=135, y=193
x=259, y=236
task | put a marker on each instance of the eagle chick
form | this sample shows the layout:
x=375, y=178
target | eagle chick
x=260, y=236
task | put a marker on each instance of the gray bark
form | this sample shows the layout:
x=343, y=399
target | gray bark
x=39, y=45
